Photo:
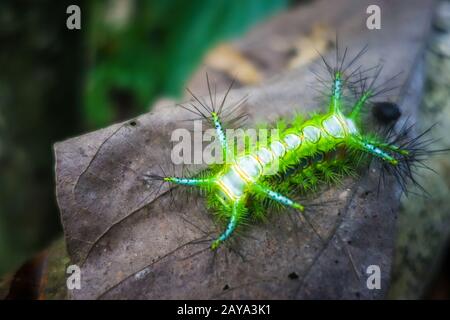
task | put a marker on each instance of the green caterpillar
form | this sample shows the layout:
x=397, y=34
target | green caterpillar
x=323, y=148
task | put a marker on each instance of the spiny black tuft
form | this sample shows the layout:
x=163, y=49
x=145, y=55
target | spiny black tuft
x=232, y=116
x=386, y=112
x=418, y=151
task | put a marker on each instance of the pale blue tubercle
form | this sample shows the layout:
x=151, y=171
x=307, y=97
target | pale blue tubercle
x=337, y=89
x=280, y=198
x=229, y=230
x=220, y=132
x=187, y=181
x=230, y=227
x=376, y=151
x=336, y=93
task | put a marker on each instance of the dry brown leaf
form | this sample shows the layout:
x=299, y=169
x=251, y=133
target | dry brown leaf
x=307, y=48
x=226, y=58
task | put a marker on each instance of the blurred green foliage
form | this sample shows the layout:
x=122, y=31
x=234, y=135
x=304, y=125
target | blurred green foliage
x=141, y=50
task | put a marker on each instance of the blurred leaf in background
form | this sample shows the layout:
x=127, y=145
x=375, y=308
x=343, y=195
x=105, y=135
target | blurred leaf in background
x=142, y=50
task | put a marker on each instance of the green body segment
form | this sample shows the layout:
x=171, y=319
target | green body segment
x=231, y=188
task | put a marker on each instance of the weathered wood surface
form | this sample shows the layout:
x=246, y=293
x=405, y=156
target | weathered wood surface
x=132, y=244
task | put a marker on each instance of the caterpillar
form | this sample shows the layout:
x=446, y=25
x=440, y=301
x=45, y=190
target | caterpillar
x=305, y=153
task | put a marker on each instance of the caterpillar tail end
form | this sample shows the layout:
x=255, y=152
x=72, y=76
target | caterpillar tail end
x=394, y=162
x=298, y=207
x=215, y=244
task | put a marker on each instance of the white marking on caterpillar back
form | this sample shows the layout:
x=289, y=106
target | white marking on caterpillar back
x=333, y=127
x=311, y=133
x=351, y=126
x=249, y=168
x=278, y=149
x=292, y=141
x=264, y=156
x=232, y=184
